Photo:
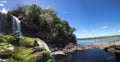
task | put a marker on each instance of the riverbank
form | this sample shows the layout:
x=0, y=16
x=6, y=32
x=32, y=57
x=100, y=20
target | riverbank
x=17, y=45
x=112, y=47
x=65, y=54
x=74, y=47
x=103, y=45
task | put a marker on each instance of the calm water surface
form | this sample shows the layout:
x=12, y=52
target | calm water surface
x=94, y=55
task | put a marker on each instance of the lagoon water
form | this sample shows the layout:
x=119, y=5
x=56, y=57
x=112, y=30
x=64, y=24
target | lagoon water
x=94, y=55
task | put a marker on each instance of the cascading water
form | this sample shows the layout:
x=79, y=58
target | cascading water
x=15, y=26
x=44, y=45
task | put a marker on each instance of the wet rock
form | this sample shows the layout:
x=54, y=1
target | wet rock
x=5, y=56
x=117, y=48
x=62, y=57
x=43, y=59
x=114, y=49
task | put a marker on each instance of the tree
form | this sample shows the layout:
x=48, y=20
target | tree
x=46, y=22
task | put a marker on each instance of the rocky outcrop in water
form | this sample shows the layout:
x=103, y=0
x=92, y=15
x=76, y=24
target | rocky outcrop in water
x=114, y=49
x=66, y=55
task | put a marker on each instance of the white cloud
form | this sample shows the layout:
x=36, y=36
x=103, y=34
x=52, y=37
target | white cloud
x=3, y=1
x=105, y=27
x=1, y=4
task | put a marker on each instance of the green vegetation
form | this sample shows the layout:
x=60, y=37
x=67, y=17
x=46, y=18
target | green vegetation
x=35, y=22
x=28, y=42
x=44, y=22
x=22, y=54
x=22, y=49
x=102, y=37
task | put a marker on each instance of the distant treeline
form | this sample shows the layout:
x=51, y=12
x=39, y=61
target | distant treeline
x=101, y=37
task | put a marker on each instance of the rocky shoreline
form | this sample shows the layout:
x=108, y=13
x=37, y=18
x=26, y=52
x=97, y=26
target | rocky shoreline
x=60, y=54
x=64, y=55
x=112, y=47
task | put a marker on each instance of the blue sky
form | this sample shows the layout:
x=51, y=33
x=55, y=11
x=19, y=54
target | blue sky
x=89, y=17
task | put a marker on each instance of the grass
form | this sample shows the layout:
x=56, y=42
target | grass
x=8, y=38
x=23, y=53
x=27, y=41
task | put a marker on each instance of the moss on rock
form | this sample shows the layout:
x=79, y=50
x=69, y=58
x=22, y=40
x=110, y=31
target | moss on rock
x=27, y=41
x=22, y=49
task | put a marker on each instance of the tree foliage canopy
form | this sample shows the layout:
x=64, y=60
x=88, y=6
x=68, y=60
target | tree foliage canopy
x=45, y=21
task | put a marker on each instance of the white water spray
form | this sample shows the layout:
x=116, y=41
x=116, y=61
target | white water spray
x=44, y=45
x=16, y=26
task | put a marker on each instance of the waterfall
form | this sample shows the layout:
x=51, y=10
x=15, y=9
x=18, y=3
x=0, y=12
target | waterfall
x=16, y=26
x=44, y=45
x=9, y=26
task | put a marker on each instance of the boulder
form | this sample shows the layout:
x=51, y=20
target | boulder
x=114, y=49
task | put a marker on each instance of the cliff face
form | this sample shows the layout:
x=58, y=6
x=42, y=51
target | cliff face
x=5, y=23
x=24, y=49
